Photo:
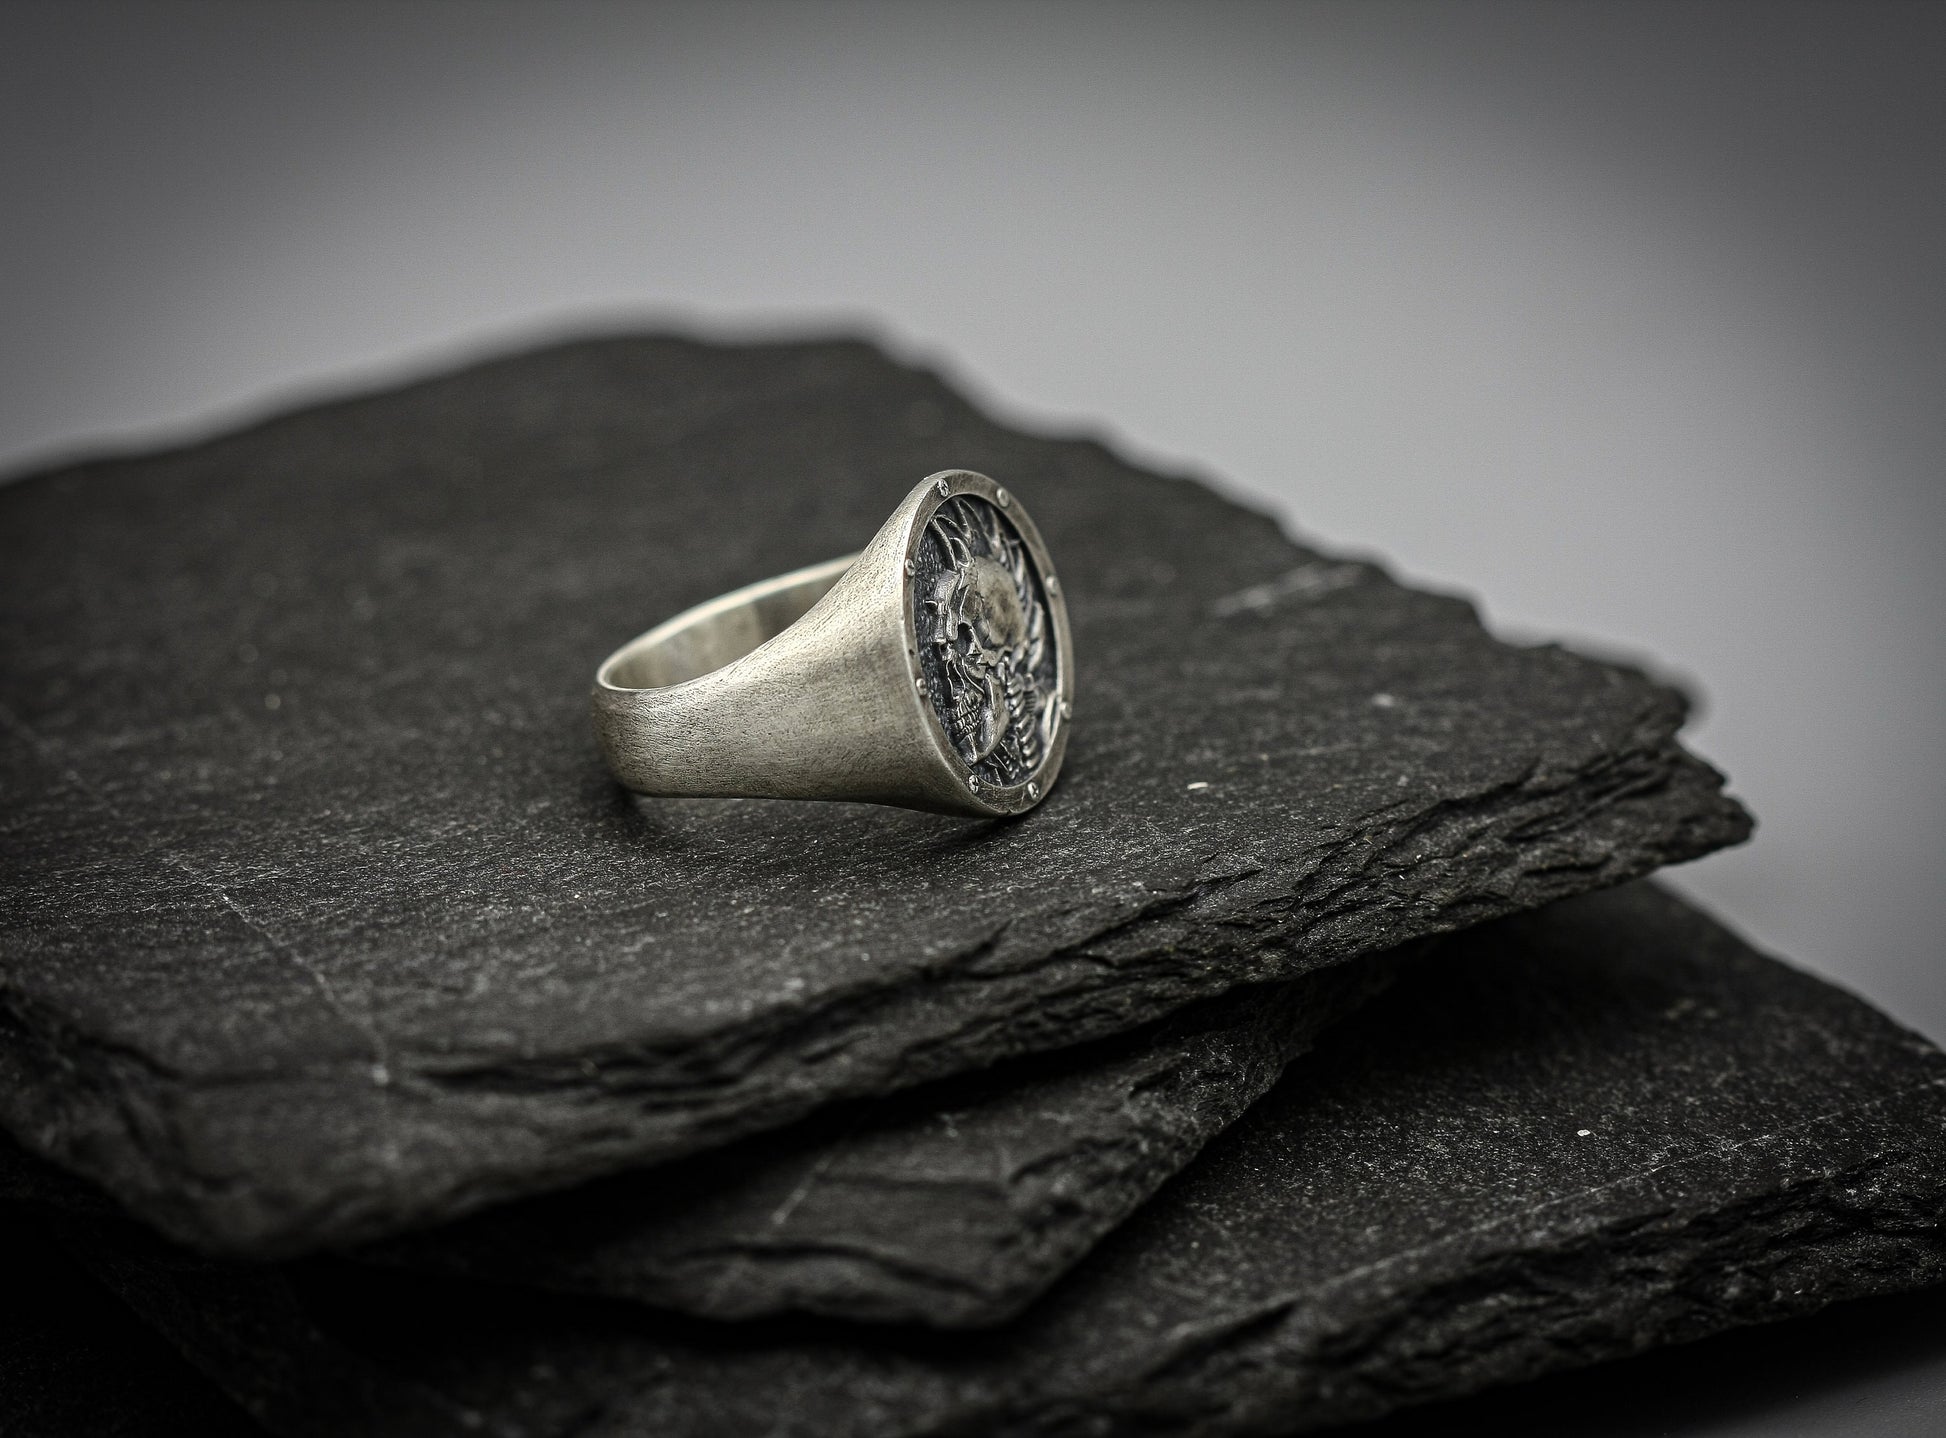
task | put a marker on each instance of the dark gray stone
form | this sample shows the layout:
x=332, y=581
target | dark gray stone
x=1574, y=1135
x=954, y=1205
x=325, y=921
x=1865, y=1369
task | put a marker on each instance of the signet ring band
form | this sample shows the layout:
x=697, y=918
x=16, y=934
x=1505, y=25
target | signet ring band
x=931, y=670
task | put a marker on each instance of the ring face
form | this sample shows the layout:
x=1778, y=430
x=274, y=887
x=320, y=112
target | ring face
x=989, y=629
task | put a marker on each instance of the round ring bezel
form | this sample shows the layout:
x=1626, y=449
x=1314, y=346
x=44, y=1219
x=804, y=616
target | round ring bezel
x=950, y=484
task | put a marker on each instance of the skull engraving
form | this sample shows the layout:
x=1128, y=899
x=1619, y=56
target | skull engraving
x=986, y=622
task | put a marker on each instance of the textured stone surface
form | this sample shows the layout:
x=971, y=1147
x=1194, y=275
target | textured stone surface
x=951, y=1205
x=1574, y=1135
x=323, y=919
x=1865, y=1369
x=954, y=1205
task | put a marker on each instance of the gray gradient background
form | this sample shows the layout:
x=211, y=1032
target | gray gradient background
x=1629, y=320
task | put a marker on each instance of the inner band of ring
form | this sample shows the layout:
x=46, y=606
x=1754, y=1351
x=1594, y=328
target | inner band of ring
x=721, y=631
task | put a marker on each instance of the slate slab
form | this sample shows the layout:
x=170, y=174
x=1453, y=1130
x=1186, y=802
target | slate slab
x=324, y=921
x=1864, y=1369
x=951, y=1205
x=1576, y=1135
x=954, y=1205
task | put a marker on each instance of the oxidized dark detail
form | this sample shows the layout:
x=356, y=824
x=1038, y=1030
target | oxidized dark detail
x=986, y=641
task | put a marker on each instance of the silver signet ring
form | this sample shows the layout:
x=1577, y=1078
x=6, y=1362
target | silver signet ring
x=931, y=670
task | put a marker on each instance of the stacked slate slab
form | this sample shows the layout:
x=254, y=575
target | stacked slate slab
x=953, y=1206
x=330, y=924
x=1571, y=1136
x=328, y=935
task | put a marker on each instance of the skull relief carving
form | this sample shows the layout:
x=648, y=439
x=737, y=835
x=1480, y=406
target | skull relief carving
x=983, y=615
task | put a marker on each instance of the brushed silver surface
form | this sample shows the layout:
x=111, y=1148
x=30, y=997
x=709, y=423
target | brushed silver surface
x=931, y=670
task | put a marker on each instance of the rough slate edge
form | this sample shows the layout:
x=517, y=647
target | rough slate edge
x=75, y=1363
x=952, y=1206
x=1822, y=1178
x=1851, y=1371
x=419, y=1118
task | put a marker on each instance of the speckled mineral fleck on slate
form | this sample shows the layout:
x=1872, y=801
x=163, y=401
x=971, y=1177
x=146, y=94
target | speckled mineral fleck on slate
x=1573, y=1135
x=324, y=920
x=954, y=1205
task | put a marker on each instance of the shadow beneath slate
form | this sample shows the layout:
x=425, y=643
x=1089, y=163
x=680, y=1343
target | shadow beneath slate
x=74, y=1360
x=1874, y=1367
